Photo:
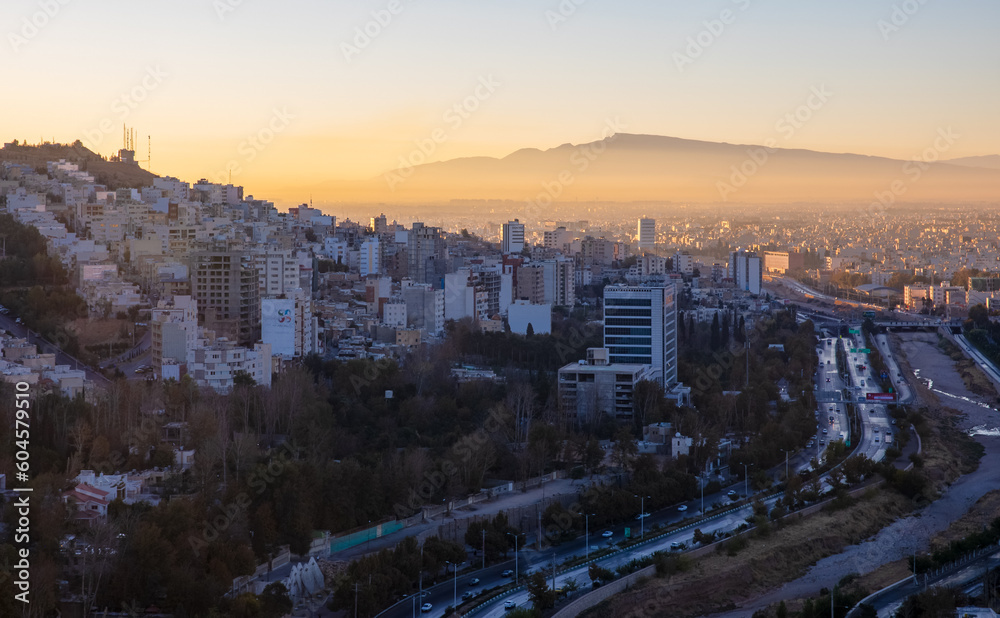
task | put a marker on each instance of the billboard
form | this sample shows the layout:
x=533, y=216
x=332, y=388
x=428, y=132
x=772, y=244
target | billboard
x=881, y=397
x=277, y=325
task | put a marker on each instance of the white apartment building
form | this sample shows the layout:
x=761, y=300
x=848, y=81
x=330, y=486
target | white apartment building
x=512, y=237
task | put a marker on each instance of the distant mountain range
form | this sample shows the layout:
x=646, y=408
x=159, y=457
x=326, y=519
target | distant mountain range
x=627, y=167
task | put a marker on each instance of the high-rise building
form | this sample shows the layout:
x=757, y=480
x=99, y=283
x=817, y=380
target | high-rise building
x=369, y=260
x=560, y=282
x=227, y=289
x=426, y=252
x=647, y=234
x=513, y=237
x=640, y=328
x=746, y=268
x=379, y=225
x=531, y=283
x=277, y=270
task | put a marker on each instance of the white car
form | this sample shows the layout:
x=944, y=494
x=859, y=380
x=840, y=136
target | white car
x=426, y=607
x=682, y=507
x=641, y=516
x=607, y=534
x=509, y=605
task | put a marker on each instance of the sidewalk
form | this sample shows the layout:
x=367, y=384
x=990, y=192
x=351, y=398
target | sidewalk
x=490, y=508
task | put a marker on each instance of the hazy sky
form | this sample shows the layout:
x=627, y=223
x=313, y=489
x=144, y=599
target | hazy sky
x=334, y=106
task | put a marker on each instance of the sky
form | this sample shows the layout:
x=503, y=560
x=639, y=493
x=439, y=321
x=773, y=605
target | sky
x=293, y=97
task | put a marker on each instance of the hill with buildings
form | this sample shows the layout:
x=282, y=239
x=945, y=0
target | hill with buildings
x=113, y=174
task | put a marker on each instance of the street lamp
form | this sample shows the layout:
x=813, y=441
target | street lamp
x=586, y=519
x=746, y=481
x=515, y=556
x=454, y=598
x=642, y=514
x=786, y=463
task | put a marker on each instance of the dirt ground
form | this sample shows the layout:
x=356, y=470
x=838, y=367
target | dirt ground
x=874, y=538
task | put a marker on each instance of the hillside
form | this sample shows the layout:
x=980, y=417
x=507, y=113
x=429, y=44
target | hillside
x=113, y=174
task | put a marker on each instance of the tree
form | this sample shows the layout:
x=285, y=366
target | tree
x=542, y=597
x=530, y=331
x=715, y=336
x=274, y=600
x=625, y=449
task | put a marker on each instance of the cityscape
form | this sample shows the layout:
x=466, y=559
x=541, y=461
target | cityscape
x=523, y=311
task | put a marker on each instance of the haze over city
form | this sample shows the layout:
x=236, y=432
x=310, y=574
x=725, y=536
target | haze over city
x=346, y=106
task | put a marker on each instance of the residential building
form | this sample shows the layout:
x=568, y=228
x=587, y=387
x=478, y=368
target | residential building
x=512, y=237
x=646, y=235
x=595, y=387
x=227, y=290
x=746, y=270
x=426, y=252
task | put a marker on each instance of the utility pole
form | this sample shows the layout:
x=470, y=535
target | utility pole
x=484, y=547
x=515, y=557
x=586, y=519
x=356, y=599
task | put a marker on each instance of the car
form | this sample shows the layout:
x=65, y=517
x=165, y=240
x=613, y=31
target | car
x=732, y=493
x=828, y=379
x=893, y=421
x=426, y=607
x=510, y=604
x=641, y=516
x=474, y=581
x=17, y=321
x=810, y=444
x=825, y=431
x=607, y=534
x=675, y=546
x=507, y=573
x=468, y=595
x=876, y=439
x=682, y=508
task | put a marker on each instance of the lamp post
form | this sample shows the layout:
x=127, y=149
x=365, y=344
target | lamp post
x=586, y=519
x=454, y=597
x=642, y=515
x=515, y=557
x=746, y=481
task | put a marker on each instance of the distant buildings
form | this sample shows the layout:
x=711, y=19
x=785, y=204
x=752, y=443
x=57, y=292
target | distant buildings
x=426, y=253
x=783, y=261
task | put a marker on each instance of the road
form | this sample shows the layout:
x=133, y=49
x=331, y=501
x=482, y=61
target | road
x=47, y=347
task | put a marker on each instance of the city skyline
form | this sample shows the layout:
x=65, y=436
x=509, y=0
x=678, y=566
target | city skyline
x=317, y=104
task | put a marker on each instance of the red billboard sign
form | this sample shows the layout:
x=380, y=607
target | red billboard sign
x=881, y=397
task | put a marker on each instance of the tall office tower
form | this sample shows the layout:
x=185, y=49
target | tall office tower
x=747, y=269
x=513, y=237
x=379, y=225
x=226, y=287
x=640, y=327
x=647, y=234
x=426, y=252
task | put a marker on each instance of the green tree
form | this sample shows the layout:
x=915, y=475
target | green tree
x=542, y=597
